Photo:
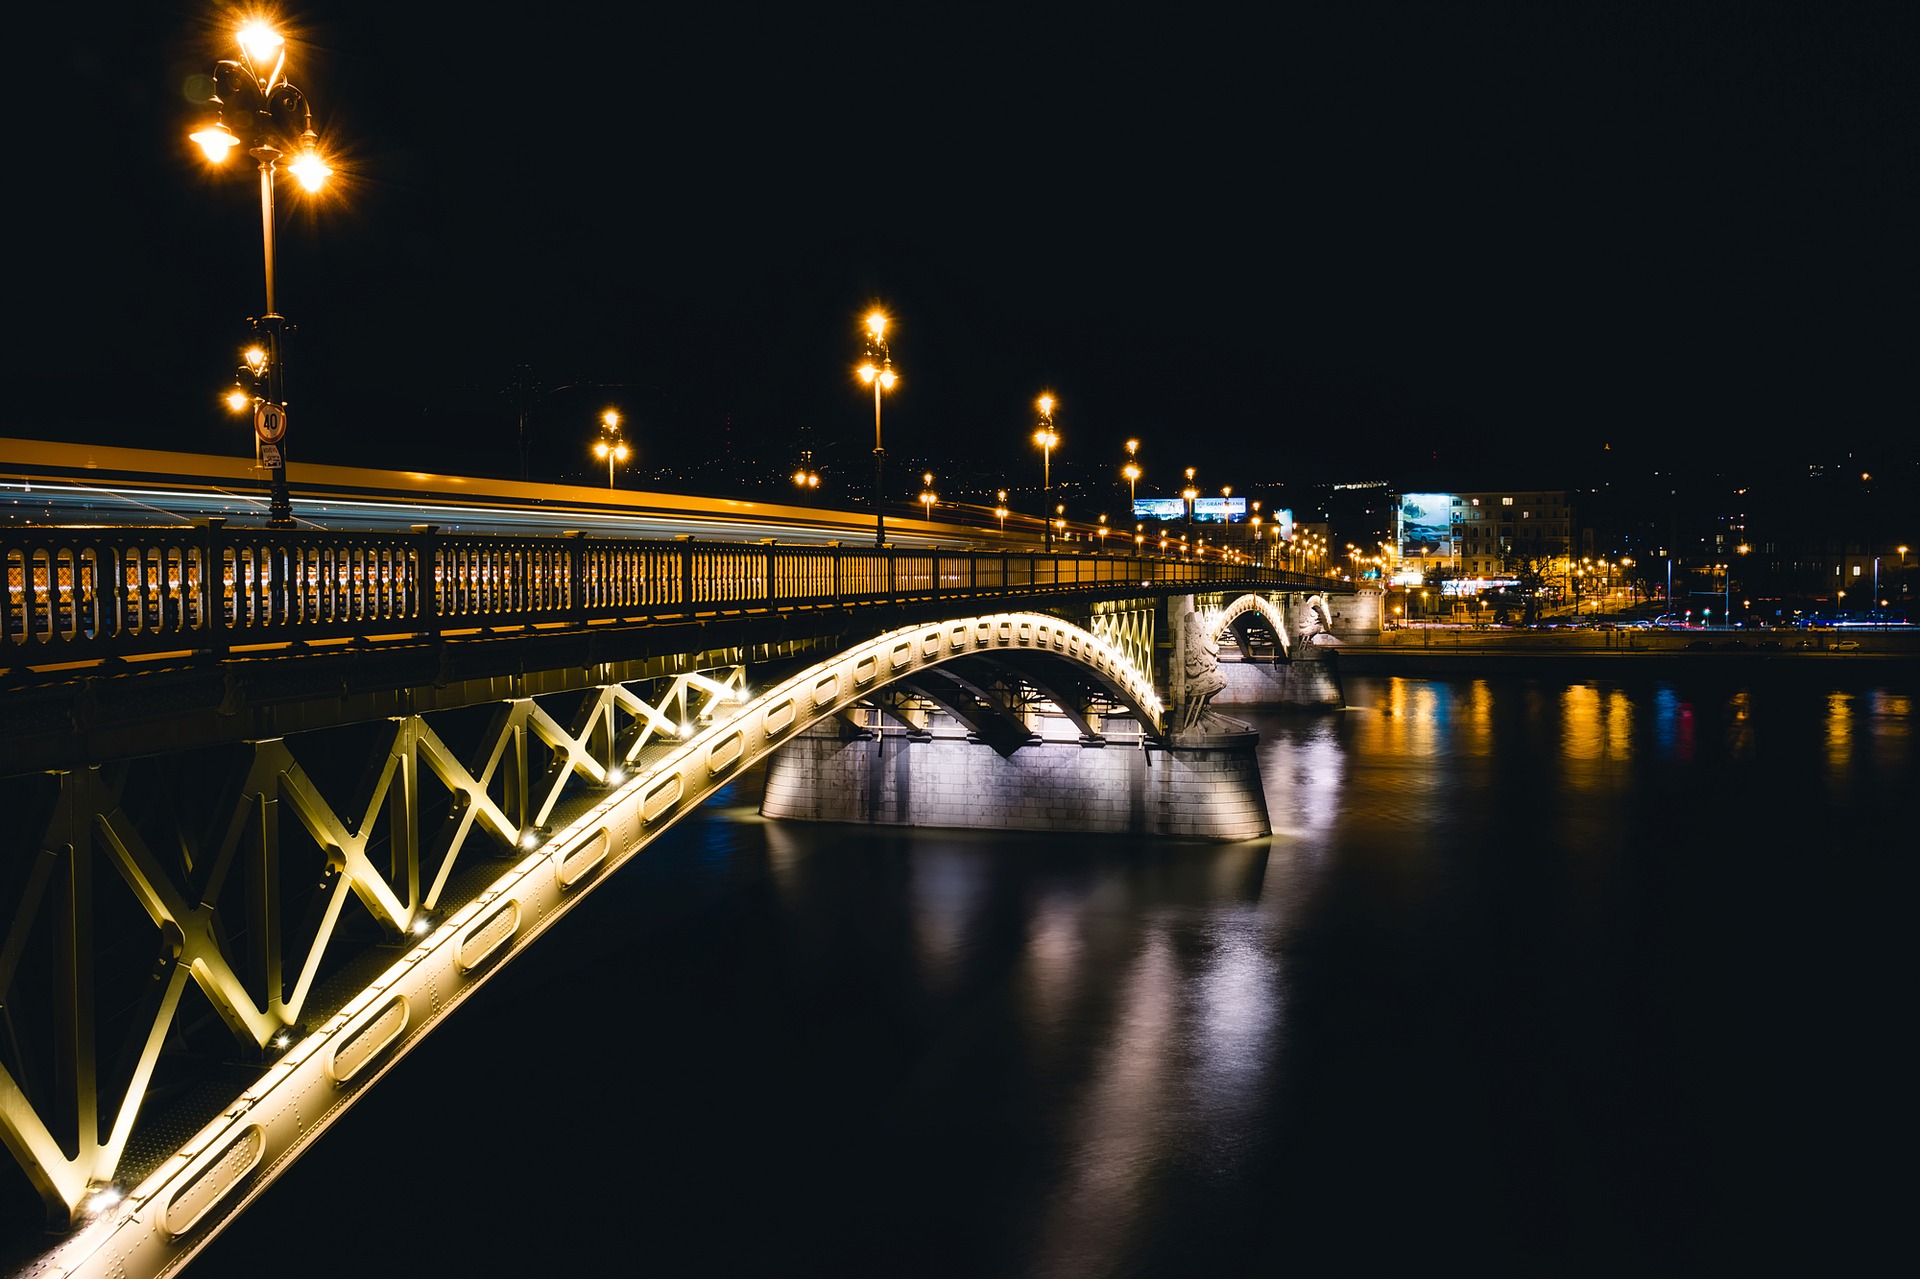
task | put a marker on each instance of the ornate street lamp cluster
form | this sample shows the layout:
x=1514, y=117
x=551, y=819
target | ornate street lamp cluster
x=610, y=446
x=877, y=371
x=257, y=108
x=1046, y=438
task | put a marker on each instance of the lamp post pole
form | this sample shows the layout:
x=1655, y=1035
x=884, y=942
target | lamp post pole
x=1045, y=437
x=276, y=120
x=882, y=377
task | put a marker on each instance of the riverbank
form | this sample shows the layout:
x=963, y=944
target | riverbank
x=1444, y=650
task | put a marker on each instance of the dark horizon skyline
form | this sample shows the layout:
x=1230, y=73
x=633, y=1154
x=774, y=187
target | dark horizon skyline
x=1392, y=236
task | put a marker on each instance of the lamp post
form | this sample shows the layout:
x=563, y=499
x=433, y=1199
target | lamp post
x=1001, y=511
x=1189, y=495
x=805, y=477
x=1726, y=586
x=881, y=377
x=275, y=119
x=610, y=445
x=1132, y=473
x=927, y=495
x=1046, y=439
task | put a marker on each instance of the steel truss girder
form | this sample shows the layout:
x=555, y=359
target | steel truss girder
x=988, y=714
x=245, y=981
x=164, y=1220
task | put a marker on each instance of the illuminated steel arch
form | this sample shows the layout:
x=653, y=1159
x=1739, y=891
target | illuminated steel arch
x=159, y=1224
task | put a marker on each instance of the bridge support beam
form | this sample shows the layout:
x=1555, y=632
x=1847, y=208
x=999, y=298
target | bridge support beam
x=1206, y=788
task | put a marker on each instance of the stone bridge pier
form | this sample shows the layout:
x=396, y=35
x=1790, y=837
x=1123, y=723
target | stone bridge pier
x=1016, y=745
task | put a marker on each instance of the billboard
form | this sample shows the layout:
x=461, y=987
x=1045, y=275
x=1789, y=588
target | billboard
x=1206, y=510
x=1220, y=510
x=1159, y=508
x=1424, y=524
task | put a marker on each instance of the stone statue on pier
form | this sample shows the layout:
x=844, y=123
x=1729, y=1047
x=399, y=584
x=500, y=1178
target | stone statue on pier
x=1317, y=632
x=1200, y=676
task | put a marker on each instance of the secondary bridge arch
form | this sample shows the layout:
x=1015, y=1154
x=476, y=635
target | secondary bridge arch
x=1259, y=605
x=175, y=1210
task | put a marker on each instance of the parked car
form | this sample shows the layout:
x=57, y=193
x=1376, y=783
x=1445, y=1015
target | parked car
x=1844, y=646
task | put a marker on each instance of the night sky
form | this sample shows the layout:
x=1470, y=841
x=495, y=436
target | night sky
x=1343, y=238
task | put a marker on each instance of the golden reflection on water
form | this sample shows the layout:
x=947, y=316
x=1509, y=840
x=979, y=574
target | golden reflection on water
x=1476, y=720
x=1596, y=735
x=1619, y=723
x=1740, y=725
x=1839, y=731
x=1890, y=719
x=1580, y=736
x=1409, y=725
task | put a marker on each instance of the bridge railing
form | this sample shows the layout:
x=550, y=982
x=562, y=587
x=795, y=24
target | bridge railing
x=84, y=594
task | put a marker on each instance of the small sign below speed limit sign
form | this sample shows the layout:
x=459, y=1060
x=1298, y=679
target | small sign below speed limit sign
x=269, y=422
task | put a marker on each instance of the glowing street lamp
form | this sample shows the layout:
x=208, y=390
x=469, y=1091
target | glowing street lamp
x=1046, y=439
x=610, y=445
x=877, y=371
x=927, y=496
x=276, y=121
x=1189, y=495
x=1001, y=511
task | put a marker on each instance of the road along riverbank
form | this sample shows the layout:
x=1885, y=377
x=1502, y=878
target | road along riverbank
x=1448, y=651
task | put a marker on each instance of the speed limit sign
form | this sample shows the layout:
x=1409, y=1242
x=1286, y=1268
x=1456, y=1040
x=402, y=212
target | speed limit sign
x=269, y=422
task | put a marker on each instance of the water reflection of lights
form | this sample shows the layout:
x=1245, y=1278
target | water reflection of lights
x=1238, y=1013
x=1596, y=734
x=1673, y=725
x=1839, y=730
x=1116, y=1132
x=1051, y=967
x=1580, y=736
x=1740, y=725
x=946, y=892
x=1415, y=713
x=1619, y=724
x=1475, y=720
x=1303, y=775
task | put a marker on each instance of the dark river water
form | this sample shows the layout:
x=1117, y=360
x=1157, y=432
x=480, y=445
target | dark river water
x=1531, y=978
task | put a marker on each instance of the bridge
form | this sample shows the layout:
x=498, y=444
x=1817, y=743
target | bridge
x=284, y=798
